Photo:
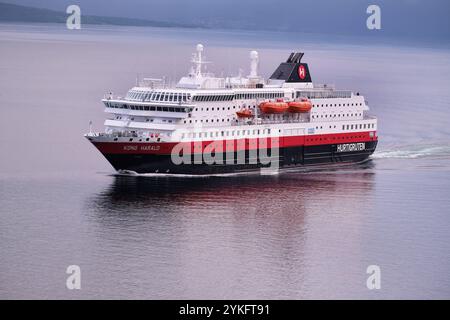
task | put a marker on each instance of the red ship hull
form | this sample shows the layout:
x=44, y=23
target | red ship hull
x=238, y=155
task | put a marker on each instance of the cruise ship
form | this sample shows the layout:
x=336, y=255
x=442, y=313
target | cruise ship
x=207, y=125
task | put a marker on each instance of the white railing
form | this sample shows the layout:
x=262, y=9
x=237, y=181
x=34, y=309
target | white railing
x=324, y=86
x=268, y=121
x=152, y=83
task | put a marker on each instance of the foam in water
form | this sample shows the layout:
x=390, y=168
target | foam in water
x=412, y=152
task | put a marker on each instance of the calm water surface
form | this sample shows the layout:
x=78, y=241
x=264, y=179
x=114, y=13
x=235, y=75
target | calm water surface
x=294, y=235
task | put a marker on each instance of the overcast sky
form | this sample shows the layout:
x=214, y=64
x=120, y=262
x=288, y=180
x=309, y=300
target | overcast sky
x=400, y=18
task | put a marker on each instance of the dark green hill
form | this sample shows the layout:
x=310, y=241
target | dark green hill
x=16, y=13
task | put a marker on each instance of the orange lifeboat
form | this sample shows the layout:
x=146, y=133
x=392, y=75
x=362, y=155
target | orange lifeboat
x=300, y=106
x=274, y=107
x=244, y=113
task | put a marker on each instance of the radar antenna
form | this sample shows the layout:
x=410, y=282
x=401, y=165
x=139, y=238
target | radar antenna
x=198, y=61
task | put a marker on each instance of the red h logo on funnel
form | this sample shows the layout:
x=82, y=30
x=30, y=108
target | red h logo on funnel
x=301, y=72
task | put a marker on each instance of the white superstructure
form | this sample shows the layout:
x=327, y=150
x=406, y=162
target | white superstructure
x=202, y=100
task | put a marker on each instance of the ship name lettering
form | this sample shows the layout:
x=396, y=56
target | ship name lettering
x=150, y=148
x=130, y=148
x=349, y=147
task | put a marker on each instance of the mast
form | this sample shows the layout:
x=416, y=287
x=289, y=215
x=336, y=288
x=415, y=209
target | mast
x=198, y=61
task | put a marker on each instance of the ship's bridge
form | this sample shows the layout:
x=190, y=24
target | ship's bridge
x=142, y=94
x=148, y=101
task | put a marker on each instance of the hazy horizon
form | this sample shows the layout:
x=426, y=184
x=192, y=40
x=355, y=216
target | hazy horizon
x=413, y=19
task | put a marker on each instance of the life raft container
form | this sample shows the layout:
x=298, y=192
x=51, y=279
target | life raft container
x=244, y=113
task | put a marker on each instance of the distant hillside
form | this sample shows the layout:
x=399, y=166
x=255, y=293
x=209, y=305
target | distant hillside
x=16, y=13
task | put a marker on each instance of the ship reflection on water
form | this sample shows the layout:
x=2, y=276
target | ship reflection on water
x=295, y=189
x=235, y=237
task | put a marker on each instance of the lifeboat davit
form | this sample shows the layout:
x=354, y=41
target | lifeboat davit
x=244, y=113
x=302, y=106
x=274, y=107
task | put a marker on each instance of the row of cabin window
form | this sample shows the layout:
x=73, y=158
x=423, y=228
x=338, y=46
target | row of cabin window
x=351, y=127
x=223, y=108
x=159, y=96
x=334, y=138
x=361, y=126
x=324, y=94
x=330, y=127
x=338, y=105
x=213, y=98
x=184, y=97
x=261, y=95
x=336, y=115
x=233, y=133
x=148, y=108
x=207, y=120
x=146, y=119
x=185, y=121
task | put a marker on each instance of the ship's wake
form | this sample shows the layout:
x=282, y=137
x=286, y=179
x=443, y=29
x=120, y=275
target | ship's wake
x=413, y=152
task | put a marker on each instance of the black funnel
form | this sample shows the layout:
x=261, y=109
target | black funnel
x=293, y=70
